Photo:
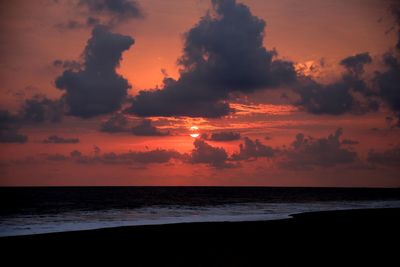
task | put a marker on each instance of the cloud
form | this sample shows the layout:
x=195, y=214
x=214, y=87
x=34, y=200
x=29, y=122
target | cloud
x=145, y=128
x=54, y=139
x=12, y=136
x=204, y=153
x=395, y=9
x=252, y=150
x=76, y=153
x=56, y=157
x=349, y=142
x=143, y=157
x=97, y=89
x=223, y=53
x=389, y=84
x=355, y=64
x=338, y=97
x=307, y=153
x=68, y=64
x=157, y=156
x=388, y=81
x=117, y=123
x=112, y=12
x=39, y=109
x=9, y=126
x=390, y=157
x=77, y=25
x=222, y=136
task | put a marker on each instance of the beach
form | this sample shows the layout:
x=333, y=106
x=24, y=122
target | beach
x=361, y=235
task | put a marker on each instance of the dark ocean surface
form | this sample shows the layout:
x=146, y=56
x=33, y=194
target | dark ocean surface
x=33, y=210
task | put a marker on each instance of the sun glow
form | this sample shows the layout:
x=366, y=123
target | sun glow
x=194, y=131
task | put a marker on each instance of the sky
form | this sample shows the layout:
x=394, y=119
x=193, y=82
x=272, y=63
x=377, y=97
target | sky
x=199, y=92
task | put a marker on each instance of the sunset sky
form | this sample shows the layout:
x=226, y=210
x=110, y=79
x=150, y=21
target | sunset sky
x=200, y=92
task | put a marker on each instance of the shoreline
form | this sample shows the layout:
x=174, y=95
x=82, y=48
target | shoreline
x=301, y=215
x=358, y=234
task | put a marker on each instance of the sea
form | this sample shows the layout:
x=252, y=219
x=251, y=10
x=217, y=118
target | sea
x=38, y=210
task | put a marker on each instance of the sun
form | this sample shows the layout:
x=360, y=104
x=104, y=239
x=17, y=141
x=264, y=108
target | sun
x=194, y=131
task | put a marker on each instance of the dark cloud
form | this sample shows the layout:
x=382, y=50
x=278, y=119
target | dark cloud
x=54, y=139
x=338, y=97
x=146, y=128
x=205, y=154
x=56, y=157
x=143, y=157
x=97, y=89
x=132, y=157
x=111, y=12
x=157, y=156
x=78, y=25
x=12, y=136
x=390, y=157
x=67, y=64
x=252, y=150
x=39, y=109
x=389, y=83
x=9, y=127
x=388, y=80
x=223, y=53
x=70, y=25
x=395, y=9
x=117, y=123
x=355, y=64
x=222, y=136
x=308, y=152
x=349, y=142
x=75, y=153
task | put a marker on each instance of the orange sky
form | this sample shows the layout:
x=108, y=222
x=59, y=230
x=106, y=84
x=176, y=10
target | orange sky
x=302, y=32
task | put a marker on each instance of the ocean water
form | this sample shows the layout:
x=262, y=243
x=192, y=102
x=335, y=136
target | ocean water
x=25, y=211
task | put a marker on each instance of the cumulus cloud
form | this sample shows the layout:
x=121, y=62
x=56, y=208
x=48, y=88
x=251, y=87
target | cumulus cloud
x=12, y=136
x=222, y=136
x=55, y=139
x=98, y=88
x=101, y=12
x=308, y=152
x=223, y=53
x=389, y=157
x=389, y=84
x=112, y=12
x=9, y=128
x=388, y=80
x=206, y=154
x=355, y=64
x=338, y=97
x=37, y=109
x=252, y=150
x=146, y=128
x=344, y=95
x=40, y=108
x=117, y=123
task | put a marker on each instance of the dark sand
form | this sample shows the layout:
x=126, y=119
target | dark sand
x=322, y=238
